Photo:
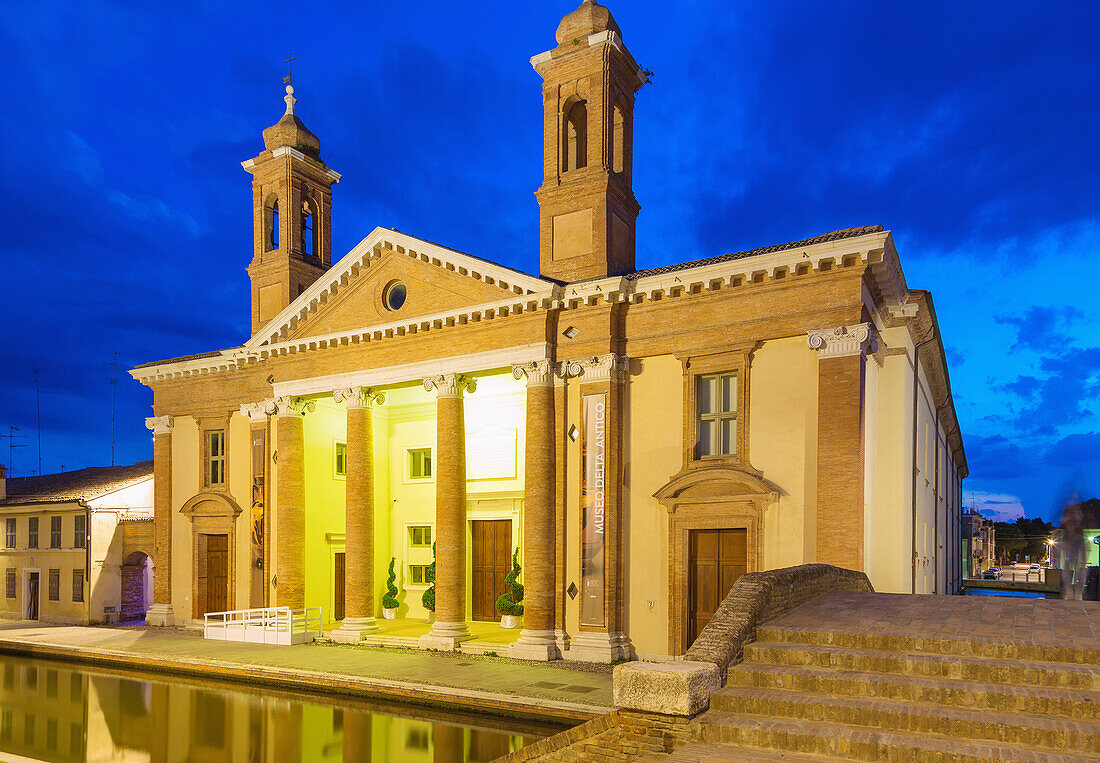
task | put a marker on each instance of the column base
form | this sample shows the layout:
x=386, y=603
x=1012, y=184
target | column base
x=445, y=637
x=599, y=647
x=159, y=615
x=540, y=646
x=352, y=629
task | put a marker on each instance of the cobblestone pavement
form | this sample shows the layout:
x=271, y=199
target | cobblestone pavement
x=565, y=690
x=1040, y=622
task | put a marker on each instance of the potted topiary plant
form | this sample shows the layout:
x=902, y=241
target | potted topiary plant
x=389, y=598
x=510, y=605
x=428, y=599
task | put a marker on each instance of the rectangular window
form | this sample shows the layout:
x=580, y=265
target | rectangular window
x=341, y=456
x=32, y=532
x=420, y=463
x=78, y=585
x=9, y=581
x=716, y=407
x=80, y=531
x=55, y=532
x=420, y=537
x=55, y=585
x=9, y=539
x=215, y=457
x=418, y=574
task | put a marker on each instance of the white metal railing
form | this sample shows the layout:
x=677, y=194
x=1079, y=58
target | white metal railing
x=265, y=625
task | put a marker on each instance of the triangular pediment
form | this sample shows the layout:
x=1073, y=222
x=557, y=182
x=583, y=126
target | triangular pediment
x=437, y=280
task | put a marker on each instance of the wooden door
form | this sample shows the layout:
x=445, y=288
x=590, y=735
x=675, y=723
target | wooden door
x=717, y=559
x=217, y=573
x=492, y=559
x=338, y=587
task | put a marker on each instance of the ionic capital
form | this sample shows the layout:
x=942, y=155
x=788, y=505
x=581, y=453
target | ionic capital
x=601, y=368
x=450, y=385
x=288, y=406
x=159, y=424
x=358, y=397
x=842, y=341
x=256, y=412
x=539, y=373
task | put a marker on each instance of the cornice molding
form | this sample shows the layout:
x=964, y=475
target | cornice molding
x=450, y=385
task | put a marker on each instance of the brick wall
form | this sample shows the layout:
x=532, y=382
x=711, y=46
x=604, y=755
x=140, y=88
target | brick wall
x=619, y=735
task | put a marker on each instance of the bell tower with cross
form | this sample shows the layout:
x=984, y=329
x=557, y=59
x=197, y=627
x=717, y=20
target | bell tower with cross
x=291, y=210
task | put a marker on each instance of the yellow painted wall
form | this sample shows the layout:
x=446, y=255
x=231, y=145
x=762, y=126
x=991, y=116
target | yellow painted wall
x=186, y=474
x=324, y=509
x=783, y=446
x=238, y=451
x=42, y=559
x=653, y=426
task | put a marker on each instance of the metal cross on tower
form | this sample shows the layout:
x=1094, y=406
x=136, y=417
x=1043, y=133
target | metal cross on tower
x=289, y=60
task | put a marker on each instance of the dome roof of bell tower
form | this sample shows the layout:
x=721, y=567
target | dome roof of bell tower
x=289, y=131
x=589, y=18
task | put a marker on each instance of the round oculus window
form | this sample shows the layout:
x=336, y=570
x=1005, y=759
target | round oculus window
x=394, y=295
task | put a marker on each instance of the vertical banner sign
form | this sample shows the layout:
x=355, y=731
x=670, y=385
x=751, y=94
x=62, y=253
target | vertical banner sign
x=257, y=589
x=593, y=493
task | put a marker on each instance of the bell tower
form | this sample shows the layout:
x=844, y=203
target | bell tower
x=291, y=210
x=587, y=208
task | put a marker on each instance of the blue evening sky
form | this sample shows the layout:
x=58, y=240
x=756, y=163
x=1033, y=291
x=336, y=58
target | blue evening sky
x=968, y=129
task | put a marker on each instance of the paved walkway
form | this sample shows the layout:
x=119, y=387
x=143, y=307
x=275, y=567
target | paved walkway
x=556, y=691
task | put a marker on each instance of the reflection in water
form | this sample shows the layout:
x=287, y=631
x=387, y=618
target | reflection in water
x=57, y=712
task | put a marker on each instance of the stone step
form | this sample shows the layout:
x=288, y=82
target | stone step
x=913, y=717
x=1076, y=704
x=848, y=742
x=716, y=753
x=975, y=647
x=980, y=669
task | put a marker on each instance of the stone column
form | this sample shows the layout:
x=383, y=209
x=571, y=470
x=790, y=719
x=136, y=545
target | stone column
x=537, y=641
x=359, y=516
x=840, y=442
x=358, y=727
x=449, y=628
x=160, y=612
x=290, y=501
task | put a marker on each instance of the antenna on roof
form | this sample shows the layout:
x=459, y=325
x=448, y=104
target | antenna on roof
x=38, y=416
x=12, y=437
x=113, y=363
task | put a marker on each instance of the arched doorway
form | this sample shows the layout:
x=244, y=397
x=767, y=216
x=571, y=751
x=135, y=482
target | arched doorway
x=137, y=586
x=213, y=516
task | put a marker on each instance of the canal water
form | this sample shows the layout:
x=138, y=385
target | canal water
x=55, y=711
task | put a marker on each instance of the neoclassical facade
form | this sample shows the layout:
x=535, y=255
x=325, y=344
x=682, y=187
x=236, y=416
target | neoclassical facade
x=637, y=439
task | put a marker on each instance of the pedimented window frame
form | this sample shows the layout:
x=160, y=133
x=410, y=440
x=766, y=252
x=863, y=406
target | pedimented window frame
x=736, y=360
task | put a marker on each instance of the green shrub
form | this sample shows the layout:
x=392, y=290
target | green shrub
x=389, y=598
x=511, y=603
x=428, y=599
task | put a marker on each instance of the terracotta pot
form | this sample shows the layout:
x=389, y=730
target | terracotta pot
x=509, y=621
x=389, y=614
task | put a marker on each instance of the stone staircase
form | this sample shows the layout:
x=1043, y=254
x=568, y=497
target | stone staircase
x=805, y=693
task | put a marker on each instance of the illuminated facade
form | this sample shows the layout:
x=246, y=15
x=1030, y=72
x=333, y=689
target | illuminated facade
x=642, y=437
x=77, y=546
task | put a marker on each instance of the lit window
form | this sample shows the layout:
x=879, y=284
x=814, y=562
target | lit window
x=80, y=531
x=78, y=585
x=55, y=532
x=9, y=540
x=32, y=532
x=55, y=585
x=418, y=574
x=215, y=457
x=420, y=463
x=716, y=405
x=341, y=455
x=420, y=537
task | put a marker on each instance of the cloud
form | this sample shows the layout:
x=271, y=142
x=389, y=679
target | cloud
x=999, y=507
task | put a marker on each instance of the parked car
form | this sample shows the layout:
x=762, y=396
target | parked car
x=1035, y=568
x=993, y=573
